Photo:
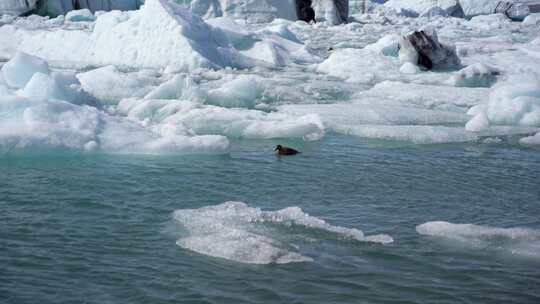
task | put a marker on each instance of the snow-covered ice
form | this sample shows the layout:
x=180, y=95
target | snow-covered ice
x=164, y=76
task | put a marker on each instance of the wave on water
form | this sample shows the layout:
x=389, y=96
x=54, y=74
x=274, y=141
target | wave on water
x=517, y=241
x=237, y=232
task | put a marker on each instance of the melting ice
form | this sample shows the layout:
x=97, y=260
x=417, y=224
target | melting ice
x=519, y=241
x=240, y=233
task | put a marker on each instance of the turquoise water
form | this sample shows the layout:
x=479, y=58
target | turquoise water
x=97, y=228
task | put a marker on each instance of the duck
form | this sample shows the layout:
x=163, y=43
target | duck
x=280, y=150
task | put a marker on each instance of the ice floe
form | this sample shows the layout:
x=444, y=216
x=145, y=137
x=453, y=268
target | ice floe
x=518, y=241
x=516, y=102
x=237, y=232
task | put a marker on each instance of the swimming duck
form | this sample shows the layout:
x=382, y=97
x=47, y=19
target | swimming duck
x=280, y=150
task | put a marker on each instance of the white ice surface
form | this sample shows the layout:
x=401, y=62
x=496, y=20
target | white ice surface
x=208, y=119
x=110, y=85
x=516, y=102
x=237, y=232
x=20, y=69
x=33, y=124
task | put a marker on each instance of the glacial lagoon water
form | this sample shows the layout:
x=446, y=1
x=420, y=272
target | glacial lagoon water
x=125, y=180
x=100, y=228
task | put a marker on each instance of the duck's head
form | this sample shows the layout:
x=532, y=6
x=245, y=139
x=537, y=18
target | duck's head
x=278, y=148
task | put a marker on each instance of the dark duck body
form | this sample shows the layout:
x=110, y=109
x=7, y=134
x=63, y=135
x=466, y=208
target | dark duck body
x=280, y=150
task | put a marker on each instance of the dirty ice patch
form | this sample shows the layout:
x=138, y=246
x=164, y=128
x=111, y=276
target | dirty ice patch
x=517, y=241
x=237, y=232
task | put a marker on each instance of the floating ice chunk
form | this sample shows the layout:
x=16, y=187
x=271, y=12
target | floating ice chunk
x=280, y=28
x=387, y=45
x=241, y=246
x=531, y=140
x=359, y=65
x=490, y=22
x=426, y=96
x=417, y=7
x=441, y=228
x=240, y=233
x=476, y=75
x=277, y=46
x=237, y=34
x=20, y=69
x=80, y=15
x=516, y=102
x=518, y=241
x=27, y=123
x=366, y=113
x=30, y=124
x=206, y=119
x=109, y=85
x=43, y=86
x=241, y=92
x=179, y=87
x=532, y=20
x=120, y=136
x=478, y=123
x=414, y=134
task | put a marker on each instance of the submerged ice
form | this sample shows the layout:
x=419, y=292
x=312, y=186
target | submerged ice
x=237, y=232
x=518, y=241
